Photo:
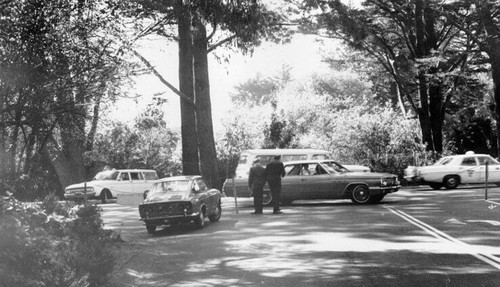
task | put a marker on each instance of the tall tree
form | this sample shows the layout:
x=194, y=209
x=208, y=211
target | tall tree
x=410, y=39
x=480, y=21
x=232, y=23
x=55, y=65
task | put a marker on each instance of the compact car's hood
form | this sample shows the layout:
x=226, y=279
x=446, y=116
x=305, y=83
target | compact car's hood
x=167, y=196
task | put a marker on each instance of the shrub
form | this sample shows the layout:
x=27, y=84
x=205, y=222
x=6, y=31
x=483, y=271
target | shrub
x=44, y=245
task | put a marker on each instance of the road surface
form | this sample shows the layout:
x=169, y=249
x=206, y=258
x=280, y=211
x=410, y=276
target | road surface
x=415, y=237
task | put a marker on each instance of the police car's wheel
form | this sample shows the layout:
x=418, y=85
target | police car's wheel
x=451, y=181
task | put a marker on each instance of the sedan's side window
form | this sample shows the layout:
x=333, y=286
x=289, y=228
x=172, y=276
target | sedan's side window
x=293, y=170
x=469, y=161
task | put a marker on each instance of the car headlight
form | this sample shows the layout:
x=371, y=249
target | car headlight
x=384, y=182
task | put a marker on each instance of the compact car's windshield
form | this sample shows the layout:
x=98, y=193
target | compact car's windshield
x=174, y=186
x=106, y=175
x=332, y=167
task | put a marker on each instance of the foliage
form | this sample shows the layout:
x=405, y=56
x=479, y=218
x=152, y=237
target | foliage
x=46, y=245
x=58, y=61
x=342, y=117
x=149, y=144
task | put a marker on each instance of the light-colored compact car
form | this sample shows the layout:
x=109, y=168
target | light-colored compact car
x=239, y=183
x=451, y=171
x=109, y=183
x=180, y=199
x=327, y=179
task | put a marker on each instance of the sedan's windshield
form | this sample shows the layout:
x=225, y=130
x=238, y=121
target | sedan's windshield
x=174, y=186
x=106, y=175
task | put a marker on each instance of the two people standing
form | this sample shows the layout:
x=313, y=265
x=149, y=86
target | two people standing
x=257, y=178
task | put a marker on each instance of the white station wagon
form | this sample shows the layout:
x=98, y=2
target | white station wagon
x=451, y=171
x=109, y=183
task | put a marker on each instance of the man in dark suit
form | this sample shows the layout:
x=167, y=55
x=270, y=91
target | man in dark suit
x=275, y=170
x=256, y=182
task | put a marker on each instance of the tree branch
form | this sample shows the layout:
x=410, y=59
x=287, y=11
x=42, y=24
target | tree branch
x=160, y=77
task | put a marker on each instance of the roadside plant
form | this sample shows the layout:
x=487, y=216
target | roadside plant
x=46, y=244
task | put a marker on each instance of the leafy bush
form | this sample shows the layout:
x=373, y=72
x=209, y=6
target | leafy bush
x=46, y=245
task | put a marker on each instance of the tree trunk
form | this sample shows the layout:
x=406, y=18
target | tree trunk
x=206, y=142
x=190, y=157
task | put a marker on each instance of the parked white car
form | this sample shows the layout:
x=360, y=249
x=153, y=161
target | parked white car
x=451, y=171
x=108, y=184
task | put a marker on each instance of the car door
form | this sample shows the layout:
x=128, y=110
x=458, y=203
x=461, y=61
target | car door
x=470, y=171
x=139, y=184
x=319, y=183
x=493, y=169
x=122, y=184
x=292, y=185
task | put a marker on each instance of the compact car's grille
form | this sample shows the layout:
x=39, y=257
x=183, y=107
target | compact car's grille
x=164, y=209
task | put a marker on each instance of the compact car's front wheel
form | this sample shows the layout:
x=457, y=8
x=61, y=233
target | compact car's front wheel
x=360, y=194
x=151, y=229
x=451, y=181
x=214, y=217
x=200, y=220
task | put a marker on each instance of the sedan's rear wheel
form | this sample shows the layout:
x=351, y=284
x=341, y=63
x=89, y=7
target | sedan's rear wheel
x=267, y=197
x=360, y=194
x=151, y=229
x=451, y=181
x=214, y=217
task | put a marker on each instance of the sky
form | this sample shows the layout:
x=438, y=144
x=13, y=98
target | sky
x=303, y=55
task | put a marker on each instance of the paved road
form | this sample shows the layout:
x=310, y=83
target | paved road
x=416, y=237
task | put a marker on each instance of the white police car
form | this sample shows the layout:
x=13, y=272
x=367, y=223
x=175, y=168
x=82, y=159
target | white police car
x=451, y=171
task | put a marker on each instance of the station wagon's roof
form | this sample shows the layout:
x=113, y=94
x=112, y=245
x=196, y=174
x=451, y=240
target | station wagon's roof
x=180, y=177
x=283, y=151
x=309, y=161
x=132, y=170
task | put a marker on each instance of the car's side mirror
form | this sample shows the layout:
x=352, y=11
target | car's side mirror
x=145, y=194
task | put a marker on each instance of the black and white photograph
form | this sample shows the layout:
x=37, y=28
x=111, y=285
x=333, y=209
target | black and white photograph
x=206, y=143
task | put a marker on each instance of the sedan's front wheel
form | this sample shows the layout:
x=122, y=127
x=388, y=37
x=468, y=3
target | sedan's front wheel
x=267, y=197
x=360, y=194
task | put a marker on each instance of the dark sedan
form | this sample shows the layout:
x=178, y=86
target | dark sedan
x=316, y=179
x=180, y=199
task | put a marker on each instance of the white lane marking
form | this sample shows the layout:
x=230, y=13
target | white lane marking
x=470, y=249
x=493, y=202
x=492, y=222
